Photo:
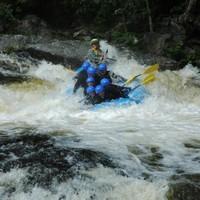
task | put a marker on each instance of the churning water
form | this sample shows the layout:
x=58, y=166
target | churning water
x=147, y=143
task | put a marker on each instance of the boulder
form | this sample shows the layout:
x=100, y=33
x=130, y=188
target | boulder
x=167, y=63
x=155, y=42
x=14, y=69
x=45, y=161
x=1, y=27
x=184, y=187
x=66, y=52
x=10, y=43
x=32, y=24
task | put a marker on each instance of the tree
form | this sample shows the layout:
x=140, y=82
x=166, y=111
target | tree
x=149, y=16
x=191, y=6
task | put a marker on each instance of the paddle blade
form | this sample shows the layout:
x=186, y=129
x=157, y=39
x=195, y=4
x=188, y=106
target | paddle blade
x=149, y=79
x=130, y=80
x=151, y=69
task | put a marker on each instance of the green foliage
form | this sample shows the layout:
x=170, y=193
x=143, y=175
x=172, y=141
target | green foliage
x=9, y=49
x=192, y=58
x=175, y=51
x=6, y=13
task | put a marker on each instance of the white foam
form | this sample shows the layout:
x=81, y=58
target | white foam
x=101, y=183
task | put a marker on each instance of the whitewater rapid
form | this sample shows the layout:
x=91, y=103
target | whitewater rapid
x=168, y=118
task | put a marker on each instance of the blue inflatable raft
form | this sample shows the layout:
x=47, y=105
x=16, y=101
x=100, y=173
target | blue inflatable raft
x=136, y=96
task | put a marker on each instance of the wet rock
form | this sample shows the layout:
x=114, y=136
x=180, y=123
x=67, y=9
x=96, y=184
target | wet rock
x=194, y=81
x=63, y=197
x=153, y=160
x=194, y=144
x=14, y=68
x=184, y=187
x=155, y=42
x=83, y=33
x=33, y=25
x=167, y=63
x=150, y=156
x=1, y=27
x=45, y=161
x=68, y=52
x=137, y=150
x=9, y=43
x=6, y=79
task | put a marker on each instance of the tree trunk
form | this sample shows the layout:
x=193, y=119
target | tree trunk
x=189, y=9
x=149, y=16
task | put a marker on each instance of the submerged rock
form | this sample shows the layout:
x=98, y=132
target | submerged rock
x=14, y=68
x=184, y=187
x=45, y=161
x=193, y=144
x=194, y=81
x=150, y=156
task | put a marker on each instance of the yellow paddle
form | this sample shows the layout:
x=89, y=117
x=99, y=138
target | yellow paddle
x=148, y=70
x=148, y=79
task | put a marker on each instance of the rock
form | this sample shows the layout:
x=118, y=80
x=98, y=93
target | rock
x=167, y=63
x=14, y=68
x=197, y=62
x=155, y=42
x=45, y=161
x=68, y=52
x=9, y=43
x=82, y=33
x=1, y=27
x=184, y=187
x=32, y=24
x=177, y=30
x=193, y=144
x=149, y=156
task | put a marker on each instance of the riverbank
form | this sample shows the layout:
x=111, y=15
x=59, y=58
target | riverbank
x=171, y=38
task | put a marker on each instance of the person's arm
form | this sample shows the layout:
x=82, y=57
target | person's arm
x=78, y=82
x=76, y=85
x=117, y=78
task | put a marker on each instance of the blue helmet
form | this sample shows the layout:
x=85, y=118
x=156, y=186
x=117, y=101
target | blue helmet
x=91, y=71
x=90, y=89
x=105, y=81
x=102, y=67
x=85, y=65
x=90, y=80
x=99, y=89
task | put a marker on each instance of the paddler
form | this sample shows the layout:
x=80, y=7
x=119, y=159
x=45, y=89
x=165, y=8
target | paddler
x=95, y=54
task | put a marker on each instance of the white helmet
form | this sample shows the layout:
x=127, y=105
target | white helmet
x=94, y=41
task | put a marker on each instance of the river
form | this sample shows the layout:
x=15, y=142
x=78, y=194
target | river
x=143, y=144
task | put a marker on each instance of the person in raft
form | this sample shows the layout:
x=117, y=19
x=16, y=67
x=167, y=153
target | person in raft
x=95, y=54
